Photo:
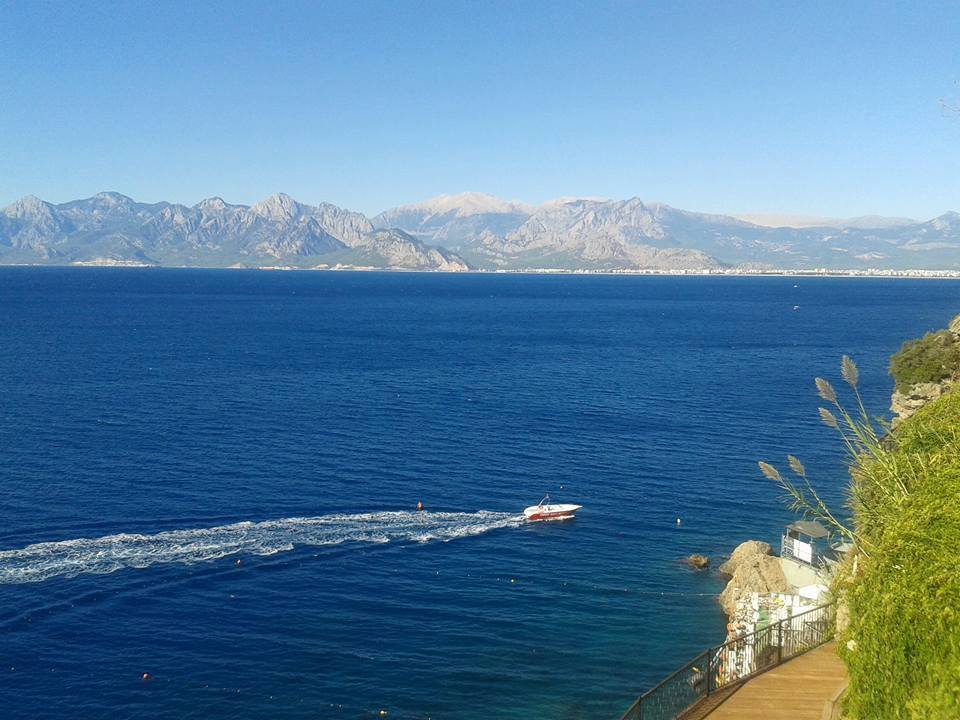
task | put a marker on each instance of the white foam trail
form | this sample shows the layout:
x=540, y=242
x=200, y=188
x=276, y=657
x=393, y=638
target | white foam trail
x=69, y=558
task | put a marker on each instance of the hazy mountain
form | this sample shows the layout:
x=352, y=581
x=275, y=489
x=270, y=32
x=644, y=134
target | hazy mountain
x=485, y=232
x=452, y=220
x=863, y=222
x=593, y=233
x=110, y=227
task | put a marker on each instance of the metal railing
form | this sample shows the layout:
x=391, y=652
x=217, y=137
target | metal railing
x=733, y=662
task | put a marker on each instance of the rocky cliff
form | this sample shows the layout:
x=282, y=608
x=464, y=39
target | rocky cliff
x=924, y=370
x=752, y=569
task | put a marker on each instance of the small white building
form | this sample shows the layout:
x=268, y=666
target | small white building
x=805, y=541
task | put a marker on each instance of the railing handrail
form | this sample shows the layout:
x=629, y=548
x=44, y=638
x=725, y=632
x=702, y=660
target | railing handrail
x=712, y=652
x=708, y=652
x=764, y=628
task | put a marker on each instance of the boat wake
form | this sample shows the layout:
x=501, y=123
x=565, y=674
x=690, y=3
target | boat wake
x=69, y=558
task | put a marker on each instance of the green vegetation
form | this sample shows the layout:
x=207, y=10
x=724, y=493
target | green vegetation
x=930, y=359
x=902, y=645
x=900, y=587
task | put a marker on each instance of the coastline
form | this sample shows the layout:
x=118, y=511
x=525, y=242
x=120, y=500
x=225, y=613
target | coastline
x=911, y=274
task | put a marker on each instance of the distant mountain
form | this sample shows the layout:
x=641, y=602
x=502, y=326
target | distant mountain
x=863, y=222
x=586, y=233
x=112, y=228
x=456, y=232
x=452, y=220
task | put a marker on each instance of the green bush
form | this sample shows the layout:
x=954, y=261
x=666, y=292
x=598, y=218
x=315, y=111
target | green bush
x=930, y=359
x=902, y=646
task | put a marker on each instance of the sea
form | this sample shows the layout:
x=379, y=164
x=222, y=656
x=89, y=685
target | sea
x=208, y=480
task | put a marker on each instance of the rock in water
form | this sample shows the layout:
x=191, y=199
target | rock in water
x=697, y=562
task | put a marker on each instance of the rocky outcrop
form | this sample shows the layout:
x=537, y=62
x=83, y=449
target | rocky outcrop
x=697, y=561
x=744, y=551
x=753, y=569
x=904, y=404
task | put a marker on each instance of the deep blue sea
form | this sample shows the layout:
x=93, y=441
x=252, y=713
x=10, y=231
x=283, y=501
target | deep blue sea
x=210, y=476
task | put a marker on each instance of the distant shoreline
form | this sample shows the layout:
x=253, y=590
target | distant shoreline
x=870, y=273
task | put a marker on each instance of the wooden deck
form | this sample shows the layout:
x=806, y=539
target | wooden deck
x=796, y=690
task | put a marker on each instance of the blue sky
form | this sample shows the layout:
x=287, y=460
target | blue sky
x=808, y=108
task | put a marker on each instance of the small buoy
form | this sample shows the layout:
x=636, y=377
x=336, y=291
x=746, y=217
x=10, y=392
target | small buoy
x=678, y=521
x=238, y=562
x=382, y=713
x=419, y=505
x=146, y=676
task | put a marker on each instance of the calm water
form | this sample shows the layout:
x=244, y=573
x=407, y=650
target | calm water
x=160, y=426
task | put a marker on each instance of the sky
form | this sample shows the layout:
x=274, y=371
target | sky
x=827, y=109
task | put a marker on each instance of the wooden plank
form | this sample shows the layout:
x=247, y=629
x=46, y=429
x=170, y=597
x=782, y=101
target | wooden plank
x=796, y=690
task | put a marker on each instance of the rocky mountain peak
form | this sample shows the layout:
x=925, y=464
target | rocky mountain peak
x=573, y=200
x=948, y=221
x=112, y=198
x=27, y=207
x=212, y=204
x=279, y=208
x=469, y=203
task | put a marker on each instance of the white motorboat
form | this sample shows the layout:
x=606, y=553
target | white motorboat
x=546, y=510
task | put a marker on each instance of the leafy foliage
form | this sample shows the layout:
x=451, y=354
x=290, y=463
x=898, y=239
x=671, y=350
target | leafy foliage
x=901, y=582
x=930, y=359
x=902, y=646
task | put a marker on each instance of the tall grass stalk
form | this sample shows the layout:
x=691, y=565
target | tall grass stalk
x=880, y=477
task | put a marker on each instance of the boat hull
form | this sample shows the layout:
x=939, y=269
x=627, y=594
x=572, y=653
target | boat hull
x=538, y=513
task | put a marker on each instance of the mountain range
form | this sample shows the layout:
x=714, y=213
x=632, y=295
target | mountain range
x=110, y=228
x=460, y=232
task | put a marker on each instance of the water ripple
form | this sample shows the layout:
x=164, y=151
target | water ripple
x=69, y=558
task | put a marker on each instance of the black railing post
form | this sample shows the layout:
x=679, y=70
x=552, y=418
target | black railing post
x=780, y=641
x=710, y=656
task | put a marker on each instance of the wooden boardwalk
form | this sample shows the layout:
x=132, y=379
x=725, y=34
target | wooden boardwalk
x=796, y=690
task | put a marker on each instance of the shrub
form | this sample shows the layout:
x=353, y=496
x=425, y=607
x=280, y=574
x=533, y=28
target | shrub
x=904, y=599
x=930, y=359
x=901, y=583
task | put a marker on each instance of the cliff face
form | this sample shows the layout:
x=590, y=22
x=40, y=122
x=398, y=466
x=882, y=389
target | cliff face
x=753, y=569
x=924, y=370
x=904, y=404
